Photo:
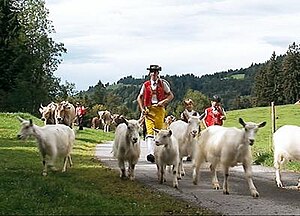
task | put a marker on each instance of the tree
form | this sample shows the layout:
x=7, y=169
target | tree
x=99, y=93
x=10, y=46
x=200, y=101
x=260, y=89
x=291, y=73
x=32, y=79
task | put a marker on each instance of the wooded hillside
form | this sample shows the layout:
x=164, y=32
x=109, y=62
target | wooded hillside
x=29, y=58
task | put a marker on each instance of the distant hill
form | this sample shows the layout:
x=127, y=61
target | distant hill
x=229, y=85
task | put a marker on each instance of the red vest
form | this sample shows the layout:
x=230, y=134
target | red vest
x=160, y=93
x=80, y=110
x=213, y=117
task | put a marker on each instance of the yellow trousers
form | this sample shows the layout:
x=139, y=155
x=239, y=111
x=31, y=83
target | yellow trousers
x=155, y=119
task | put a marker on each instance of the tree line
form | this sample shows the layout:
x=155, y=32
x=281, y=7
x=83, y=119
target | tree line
x=29, y=58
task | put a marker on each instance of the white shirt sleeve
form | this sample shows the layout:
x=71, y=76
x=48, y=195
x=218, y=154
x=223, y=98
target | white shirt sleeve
x=166, y=86
x=142, y=89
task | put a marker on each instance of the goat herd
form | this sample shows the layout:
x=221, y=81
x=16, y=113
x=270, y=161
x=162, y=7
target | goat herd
x=218, y=145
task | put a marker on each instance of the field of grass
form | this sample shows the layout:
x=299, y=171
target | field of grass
x=238, y=76
x=87, y=188
x=262, y=149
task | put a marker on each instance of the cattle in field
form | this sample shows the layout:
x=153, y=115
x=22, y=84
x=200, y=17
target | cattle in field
x=117, y=119
x=169, y=119
x=53, y=141
x=48, y=113
x=106, y=119
x=65, y=113
x=95, y=122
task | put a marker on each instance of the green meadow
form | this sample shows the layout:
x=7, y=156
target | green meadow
x=87, y=188
x=262, y=149
x=91, y=188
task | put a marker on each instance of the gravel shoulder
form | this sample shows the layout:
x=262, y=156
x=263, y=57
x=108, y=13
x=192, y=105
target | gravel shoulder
x=272, y=200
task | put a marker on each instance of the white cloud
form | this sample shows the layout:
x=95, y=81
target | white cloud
x=107, y=40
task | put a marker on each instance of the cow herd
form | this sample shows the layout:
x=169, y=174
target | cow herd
x=58, y=113
x=64, y=112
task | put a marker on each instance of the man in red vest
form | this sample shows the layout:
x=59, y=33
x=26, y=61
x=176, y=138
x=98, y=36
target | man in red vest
x=154, y=95
x=214, y=115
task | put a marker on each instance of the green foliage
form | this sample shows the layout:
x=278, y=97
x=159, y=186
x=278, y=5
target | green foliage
x=87, y=188
x=291, y=73
x=30, y=56
x=200, y=102
x=278, y=80
x=238, y=76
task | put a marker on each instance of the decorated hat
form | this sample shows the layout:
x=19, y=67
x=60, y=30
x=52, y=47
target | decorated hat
x=154, y=68
x=216, y=98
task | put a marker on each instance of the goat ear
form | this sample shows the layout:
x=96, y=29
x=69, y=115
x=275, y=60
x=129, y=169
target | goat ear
x=241, y=121
x=30, y=122
x=41, y=110
x=20, y=119
x=262, y=124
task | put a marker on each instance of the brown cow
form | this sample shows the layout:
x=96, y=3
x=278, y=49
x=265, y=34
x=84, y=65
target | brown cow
x=65, y=114
x=48, y=113
x=169, y=119
x=95, y=123
x=106, y=119
x=118, y=119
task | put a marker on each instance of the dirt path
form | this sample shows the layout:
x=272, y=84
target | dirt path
x=272, y=200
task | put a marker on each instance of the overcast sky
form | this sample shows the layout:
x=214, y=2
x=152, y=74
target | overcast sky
x=110, y=39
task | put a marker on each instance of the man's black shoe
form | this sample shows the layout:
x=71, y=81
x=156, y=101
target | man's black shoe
x=189, y=158
x=150, y=158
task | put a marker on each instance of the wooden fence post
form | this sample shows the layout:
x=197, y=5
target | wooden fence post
x=273, y=117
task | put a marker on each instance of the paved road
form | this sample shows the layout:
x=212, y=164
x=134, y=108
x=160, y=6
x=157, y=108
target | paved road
x=272, y=200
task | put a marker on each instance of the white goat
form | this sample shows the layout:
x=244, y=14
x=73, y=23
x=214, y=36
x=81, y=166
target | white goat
x=166, y=153
x=286, y=142
x=53, y=141
x=186, y=134
x=126, y=147
x=227, y=146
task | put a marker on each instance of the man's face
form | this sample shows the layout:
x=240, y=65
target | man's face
x=154, y=74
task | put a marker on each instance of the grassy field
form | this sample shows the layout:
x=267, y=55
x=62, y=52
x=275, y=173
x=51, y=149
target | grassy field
x=88, y=188
x=262, y=149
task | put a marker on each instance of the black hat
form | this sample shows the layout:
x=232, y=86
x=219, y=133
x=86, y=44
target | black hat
x=216, y=98
x=154, y=68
